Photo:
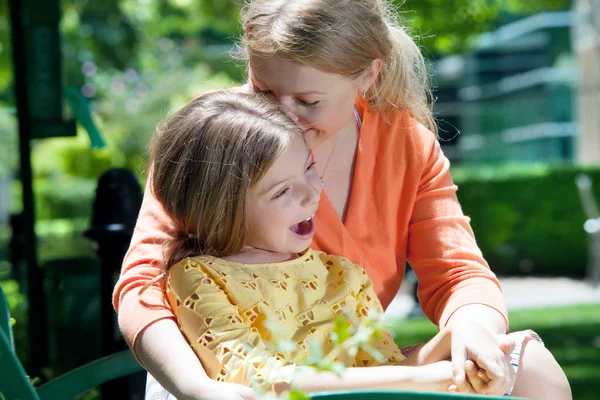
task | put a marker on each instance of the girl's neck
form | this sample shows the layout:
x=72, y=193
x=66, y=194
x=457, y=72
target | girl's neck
x=250, y=255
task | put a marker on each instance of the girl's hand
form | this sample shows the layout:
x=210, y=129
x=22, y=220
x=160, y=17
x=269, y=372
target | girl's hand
x=488, y=352
x=477, y=377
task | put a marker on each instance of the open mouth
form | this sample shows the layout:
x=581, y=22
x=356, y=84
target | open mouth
x=304, y=229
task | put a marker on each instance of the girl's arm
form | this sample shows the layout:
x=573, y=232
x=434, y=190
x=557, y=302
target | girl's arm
x=172, y=362
x=435, y=377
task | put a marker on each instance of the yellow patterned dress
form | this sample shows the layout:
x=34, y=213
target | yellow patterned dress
x=223, y=308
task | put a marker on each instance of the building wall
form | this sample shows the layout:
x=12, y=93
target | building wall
x=586, y=44
x=515, y=94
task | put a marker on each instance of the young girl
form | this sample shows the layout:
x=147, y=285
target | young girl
x=233, y=172
x=355, y=83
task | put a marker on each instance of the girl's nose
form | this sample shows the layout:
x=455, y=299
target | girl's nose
x=313, y=191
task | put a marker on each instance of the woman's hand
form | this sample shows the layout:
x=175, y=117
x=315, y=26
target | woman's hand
x=480, y=359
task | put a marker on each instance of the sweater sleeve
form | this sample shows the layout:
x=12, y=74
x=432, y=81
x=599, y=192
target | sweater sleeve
x=225, y=338
x=141, y=264
x=441, y=246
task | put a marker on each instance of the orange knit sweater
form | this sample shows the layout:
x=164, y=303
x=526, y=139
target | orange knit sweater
x=402, y=207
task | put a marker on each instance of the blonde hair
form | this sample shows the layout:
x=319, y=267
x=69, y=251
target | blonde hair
x=204, y=161
x=344, y=37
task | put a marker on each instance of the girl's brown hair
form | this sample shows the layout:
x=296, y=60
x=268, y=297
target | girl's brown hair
x=204, y=160
x=344, y=37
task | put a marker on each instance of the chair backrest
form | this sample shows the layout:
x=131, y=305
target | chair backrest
x=394, y=395
x=5, y=325
x=14, y=383
x=588, y=201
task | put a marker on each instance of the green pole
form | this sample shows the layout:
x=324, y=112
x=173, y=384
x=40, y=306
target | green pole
x=38, y=93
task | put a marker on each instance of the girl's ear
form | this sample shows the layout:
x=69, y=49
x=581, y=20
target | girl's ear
x=371, y=74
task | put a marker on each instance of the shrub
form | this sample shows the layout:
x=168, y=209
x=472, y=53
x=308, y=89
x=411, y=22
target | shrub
x=528, y=221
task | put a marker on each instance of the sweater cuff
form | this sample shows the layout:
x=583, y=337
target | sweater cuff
x=486, y=293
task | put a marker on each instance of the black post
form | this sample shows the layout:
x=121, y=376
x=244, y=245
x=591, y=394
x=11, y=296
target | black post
x=115, y=210
x=38, y=347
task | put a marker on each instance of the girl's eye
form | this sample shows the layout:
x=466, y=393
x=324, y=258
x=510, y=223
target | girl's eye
x=311, y=166
x=307, y=104
x=281, y=193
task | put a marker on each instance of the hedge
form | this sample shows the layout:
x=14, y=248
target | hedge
x=527, y=219
x=529, y=223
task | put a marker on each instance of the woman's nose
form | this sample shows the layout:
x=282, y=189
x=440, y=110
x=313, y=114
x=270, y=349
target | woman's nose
x=289, y=110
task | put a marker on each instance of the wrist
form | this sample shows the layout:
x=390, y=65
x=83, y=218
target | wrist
x=486, y=316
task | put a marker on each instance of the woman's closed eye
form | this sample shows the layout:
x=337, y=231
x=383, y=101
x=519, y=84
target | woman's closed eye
x=307, y=103
x=257, y=89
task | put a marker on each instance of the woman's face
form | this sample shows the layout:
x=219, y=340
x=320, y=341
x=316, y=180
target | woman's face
x=320, y=103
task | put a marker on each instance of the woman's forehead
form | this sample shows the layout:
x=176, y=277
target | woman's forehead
x=291, y=77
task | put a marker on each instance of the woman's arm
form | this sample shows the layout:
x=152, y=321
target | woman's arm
x=139, y=309
x=441, y=247
x=456, y=285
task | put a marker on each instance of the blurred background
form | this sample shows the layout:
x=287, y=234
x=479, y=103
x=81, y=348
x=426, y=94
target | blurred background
x=517, y=87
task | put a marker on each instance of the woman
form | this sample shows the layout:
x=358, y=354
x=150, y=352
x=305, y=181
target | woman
x=355, y=82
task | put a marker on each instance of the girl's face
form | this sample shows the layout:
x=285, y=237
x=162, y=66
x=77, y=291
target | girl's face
x=320, y=103
x=280, y=208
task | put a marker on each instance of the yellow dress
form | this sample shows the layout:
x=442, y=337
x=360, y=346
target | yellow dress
x=232, y=313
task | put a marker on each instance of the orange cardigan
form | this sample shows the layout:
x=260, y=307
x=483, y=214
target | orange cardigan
x=402, y=207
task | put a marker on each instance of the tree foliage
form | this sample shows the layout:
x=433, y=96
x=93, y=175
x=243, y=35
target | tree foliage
x=135, y=59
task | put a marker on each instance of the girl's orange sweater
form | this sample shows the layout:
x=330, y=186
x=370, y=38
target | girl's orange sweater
x=402, y=207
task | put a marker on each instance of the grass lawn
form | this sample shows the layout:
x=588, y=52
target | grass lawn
x=571, y=333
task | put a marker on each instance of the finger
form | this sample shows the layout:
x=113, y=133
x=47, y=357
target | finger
x=466, y=386
x=493, y=362
x=483, y=375
x=459, y=357
x=475, y=377
x=505, y=343
x=500, y=381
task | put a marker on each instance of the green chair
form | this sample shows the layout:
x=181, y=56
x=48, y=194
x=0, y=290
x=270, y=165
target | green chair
x=15, y=383
x=397, y=395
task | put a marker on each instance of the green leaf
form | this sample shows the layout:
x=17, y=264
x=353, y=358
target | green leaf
x=341, y=329
x=315, y=356
x=296, y=394
x=337, y=368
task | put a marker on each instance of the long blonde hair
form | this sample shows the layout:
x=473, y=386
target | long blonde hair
x=344, y=37
x=205, y=159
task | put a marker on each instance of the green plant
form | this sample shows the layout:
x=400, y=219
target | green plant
x=349, y=336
